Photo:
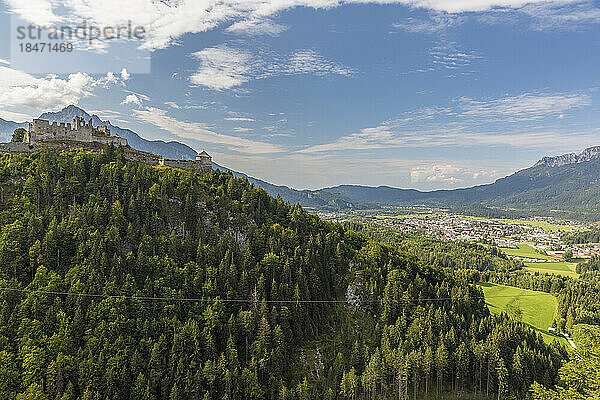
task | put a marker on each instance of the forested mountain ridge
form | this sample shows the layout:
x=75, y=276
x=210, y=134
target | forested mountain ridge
x=126, y=281
x=552, y=183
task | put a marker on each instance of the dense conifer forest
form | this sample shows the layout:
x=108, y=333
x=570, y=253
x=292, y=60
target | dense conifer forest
x=125, y=281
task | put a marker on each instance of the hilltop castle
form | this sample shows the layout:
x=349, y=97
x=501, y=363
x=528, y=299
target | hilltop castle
x=43, y=131
x=80, y=134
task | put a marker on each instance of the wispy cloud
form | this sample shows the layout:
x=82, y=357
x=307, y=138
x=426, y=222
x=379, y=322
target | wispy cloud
x=526, y=106
x=551, y=15
x=244, y=119
x=435, y=23
x=224, y=67
x=132, y=99
x=172, y=105
x=482, y=122
x=202, y=132
x=451, y=58
x=168, y=21
x=449, y=173
x=310, y=61
x=256, y=27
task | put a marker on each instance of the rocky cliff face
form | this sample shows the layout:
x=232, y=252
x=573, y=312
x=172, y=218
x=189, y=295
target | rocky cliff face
x=570, y=158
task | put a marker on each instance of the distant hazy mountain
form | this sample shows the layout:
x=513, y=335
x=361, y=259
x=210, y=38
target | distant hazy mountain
x=7, y=128
x=567, y=182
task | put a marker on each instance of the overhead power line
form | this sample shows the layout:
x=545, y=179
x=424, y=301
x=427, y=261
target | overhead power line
x=250, y=301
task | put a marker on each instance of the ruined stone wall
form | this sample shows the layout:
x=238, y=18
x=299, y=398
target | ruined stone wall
x=185, y=164
x=143, y=157
x=18, y=147
x=43, y=131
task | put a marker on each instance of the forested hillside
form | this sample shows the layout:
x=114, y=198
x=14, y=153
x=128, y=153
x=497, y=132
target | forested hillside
x=125, y=281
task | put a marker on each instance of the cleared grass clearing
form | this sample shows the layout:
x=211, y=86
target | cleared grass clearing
x=527, y=251
x=537, y=308
x=561, y=268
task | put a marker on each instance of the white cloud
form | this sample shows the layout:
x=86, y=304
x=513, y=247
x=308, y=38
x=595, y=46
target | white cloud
x=255, y=27
x=172, y=105
x=16, y=116
x=557, y=15
x=450, y=57
x=310, y=61
x=106, y=81
x=168, y=21
x=435, y=173
x=132, y=99
x=223, y=67
x=20, y=89
x=39, y=12
x=526, y=106
x=435, y=23
x=449, y=173
x=10, y=77
x=48, y=94
x=458, y=6
x=245, y=119
x=201, y=132
x=125, y=74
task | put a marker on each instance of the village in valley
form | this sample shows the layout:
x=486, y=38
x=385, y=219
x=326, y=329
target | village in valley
x=537, y=241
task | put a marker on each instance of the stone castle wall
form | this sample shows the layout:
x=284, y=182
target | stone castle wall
x=44, y=131
x=143, y=157
x=186, y=164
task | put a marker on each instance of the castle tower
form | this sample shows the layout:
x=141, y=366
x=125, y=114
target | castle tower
x=78, y=122
x=204, y=160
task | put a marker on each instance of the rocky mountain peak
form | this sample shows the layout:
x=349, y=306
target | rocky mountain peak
x=588, y=154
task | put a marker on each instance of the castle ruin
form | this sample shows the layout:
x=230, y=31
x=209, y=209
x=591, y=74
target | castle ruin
x=43, y=131
x=83, y=135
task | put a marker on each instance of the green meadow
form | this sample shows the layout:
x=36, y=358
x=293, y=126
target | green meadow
x=524, y=250
x=537, y=309
x=560, y=268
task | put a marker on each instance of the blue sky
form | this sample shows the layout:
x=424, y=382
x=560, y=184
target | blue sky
x=426, y=93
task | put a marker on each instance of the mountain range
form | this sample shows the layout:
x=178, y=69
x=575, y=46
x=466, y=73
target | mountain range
x=566, y=182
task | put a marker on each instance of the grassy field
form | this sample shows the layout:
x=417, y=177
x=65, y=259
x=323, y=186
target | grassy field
x=538, y=308
x=560, y=268
x=524, y=250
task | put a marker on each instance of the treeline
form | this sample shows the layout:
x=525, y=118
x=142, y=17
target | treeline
x=434, y=333
x=456, y=255
x=125, y=281
x=579, y=378
x=581, y=237
x=480, y=210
